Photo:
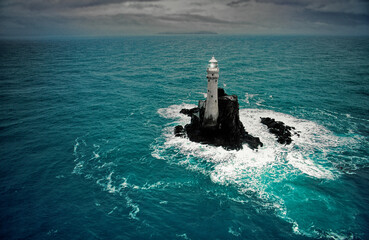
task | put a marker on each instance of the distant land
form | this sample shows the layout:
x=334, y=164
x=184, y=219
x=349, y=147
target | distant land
x=198, y=32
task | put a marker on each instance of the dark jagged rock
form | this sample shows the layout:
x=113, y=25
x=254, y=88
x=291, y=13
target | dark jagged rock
x=228, y=133
x=189, y=112
x=179, y=131
x=221, y=92
x=279, y=129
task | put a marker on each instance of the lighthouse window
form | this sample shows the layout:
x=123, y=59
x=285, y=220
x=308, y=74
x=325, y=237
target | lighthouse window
x=212, y=74
x=211, y=95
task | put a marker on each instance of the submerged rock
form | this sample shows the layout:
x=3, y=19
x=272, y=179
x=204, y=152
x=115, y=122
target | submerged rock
x=179, y=131
x=229, y=131
x=279, y=129
x=189, y=112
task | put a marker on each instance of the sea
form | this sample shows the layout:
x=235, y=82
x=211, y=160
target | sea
x=88, y=149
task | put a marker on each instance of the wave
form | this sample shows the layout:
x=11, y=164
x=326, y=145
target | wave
x=278, y=175
x=313, y=140
x=95, y=160
x=275, y=177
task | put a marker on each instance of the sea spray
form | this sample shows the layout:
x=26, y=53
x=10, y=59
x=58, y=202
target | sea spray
x=274, y=173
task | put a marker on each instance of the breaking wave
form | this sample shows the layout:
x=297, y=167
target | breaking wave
x=282, y=177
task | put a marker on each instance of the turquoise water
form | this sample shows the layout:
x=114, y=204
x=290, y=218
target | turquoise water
x=88, y=152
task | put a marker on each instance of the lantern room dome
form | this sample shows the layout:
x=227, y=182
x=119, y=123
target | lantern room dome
x=213, y=63
x=213, y=60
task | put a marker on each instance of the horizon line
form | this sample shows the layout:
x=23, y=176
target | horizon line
x=174, y=34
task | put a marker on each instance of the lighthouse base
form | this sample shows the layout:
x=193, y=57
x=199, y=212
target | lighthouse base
x=228, y=132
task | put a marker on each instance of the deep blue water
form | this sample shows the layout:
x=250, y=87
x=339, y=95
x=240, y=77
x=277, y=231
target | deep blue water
x=87, y=149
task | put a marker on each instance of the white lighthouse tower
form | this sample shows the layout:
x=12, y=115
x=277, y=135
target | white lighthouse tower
x=211, y=105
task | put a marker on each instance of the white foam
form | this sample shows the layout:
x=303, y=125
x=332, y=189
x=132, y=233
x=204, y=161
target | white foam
x=259, y=102
x=232, y=165
x=156, y=185
x=95, y=155
x=78, y=168
x=107, y=165
x=234, y=232
x=336, y=236
x=52, y=232
x=172, y=112
x=113, y=186
x=109, y=186
x=252, y=171
x=184, y=236
x=75, y=148
x=203, y=94
x=313, y=138
x=135, y=209
x=249, y=97
x=115, y=208
x=295, y=228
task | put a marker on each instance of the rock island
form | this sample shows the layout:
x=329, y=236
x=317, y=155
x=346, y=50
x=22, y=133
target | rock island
x=216, y=120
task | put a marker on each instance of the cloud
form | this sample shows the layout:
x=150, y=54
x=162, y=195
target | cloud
x=344, y=6
x=334, y=18
x=237, y=3
x=341, y=6
x=194, y=18
x=110, y=17
x=37, y=5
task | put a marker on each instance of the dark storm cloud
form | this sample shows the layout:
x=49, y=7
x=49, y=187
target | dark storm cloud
x=303, y=3
x=44, y=4
x=277, y=2
x=194, y=18
x=334, y=12
x=43, y=17
x=237, y=3
x=334, y=18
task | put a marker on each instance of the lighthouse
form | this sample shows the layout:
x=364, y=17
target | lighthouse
x=211, y=104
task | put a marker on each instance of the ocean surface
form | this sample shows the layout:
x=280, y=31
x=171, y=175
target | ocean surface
x=88, y=151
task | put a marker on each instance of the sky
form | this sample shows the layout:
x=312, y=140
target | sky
x=23, y=18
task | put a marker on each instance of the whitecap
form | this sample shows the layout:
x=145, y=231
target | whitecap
x=78, y=168
x=203, y=94
x=337, y=236
x=135, y=209
x=234, y=232
x=112, y=210
x=184, y=236
x=260, y=102
x=249, y=96
x=52, y=231
x=75, y=147
x=172, y=112
x=110, y=185
x=95, y=155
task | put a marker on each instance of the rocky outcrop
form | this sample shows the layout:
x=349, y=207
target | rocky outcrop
x=229, y=131
x=279, y=129
x=179, y=131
